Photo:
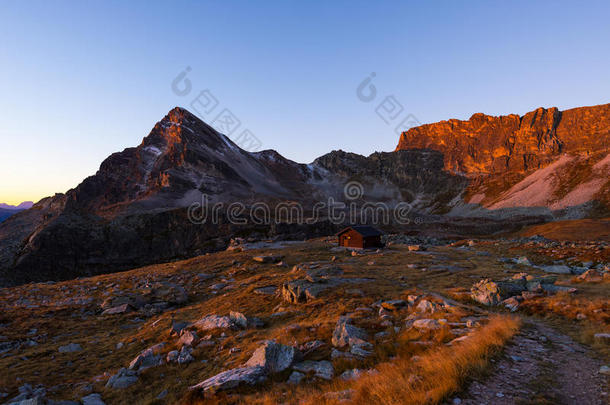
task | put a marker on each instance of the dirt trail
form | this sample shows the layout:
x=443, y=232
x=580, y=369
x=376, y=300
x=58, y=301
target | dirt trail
x=541, y=366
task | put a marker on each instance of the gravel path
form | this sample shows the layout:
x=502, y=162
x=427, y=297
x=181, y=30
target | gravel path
x=541, y=366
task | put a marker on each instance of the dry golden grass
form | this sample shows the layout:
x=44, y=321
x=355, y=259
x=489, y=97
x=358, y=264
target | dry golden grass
x=570, y=307
x=572, y=230
x=438, y=373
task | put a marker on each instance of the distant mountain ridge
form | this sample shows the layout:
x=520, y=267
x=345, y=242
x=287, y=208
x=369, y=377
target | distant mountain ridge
x=7, y=210
x=22, y=206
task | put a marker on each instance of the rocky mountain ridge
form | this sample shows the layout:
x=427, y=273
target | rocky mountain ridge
x=135, y=209
x=493, y=145
x=549, y=162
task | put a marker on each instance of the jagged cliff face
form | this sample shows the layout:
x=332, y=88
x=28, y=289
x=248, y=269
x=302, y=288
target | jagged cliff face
x=496, y=145
x=546, y=161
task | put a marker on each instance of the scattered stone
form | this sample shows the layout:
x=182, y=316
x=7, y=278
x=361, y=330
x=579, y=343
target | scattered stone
x=162, y=394
x=185, y=357
x=488, y=292
x=239, y=319
x=273, y=357
x=177, y=327
x=511, y=303
x=426, y=306
x=554, y=289
x=297, y=291
x=605, y=370
x=92, y=399
x=557, y=269
x=233, y=378
x=70, y=348
x=218, y=286
x=295, y=378
x=362, y=349
x=394, y=305
x=187, y=337
x=147, y=358
x=123, y=379
x=121, y=309
x=427, y=324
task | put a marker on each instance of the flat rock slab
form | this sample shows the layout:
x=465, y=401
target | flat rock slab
x=267, y=259
x=232, y=379
x=211, y=322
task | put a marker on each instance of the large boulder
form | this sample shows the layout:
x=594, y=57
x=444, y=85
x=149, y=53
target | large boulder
x=274, y=357
x=489, y=292
x=346, y=334
x=233, y=378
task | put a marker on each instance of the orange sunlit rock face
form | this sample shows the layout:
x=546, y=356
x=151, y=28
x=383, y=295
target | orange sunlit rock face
x=492, y=145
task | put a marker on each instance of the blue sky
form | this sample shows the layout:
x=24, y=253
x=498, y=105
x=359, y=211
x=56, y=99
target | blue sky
x=82, y=79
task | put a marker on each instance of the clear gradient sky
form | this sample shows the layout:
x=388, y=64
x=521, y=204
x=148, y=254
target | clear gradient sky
x=82, y=79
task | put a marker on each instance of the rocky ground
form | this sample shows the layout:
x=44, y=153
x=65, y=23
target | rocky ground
x=288, y=322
